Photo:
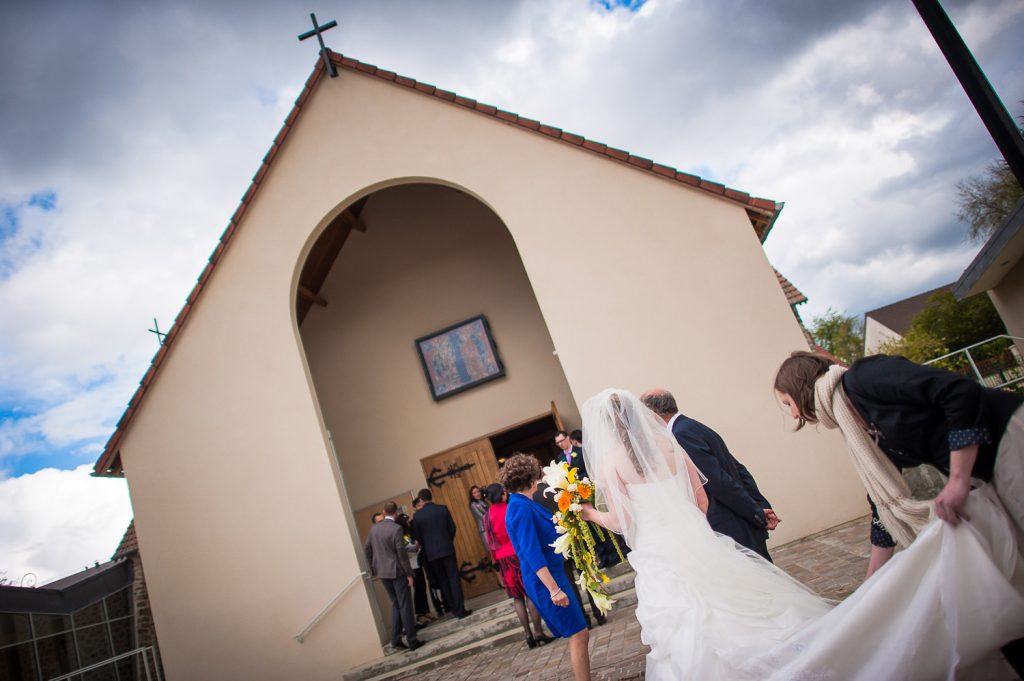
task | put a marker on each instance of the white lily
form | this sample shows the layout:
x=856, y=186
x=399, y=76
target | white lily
x=561, y=545
x=561, y=530
x=602, y=600
x=555, y=477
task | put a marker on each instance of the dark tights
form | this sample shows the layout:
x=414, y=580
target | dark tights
x=522, y=605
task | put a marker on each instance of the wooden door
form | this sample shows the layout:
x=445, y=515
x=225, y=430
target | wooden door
x=450, y=475
x=556, y=416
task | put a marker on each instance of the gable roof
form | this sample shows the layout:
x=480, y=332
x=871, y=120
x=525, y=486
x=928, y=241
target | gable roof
x=997, y=257
x=761, y=212
x=898, y=316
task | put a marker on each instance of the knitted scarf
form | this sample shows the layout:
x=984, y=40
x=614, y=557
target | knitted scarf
x=900, y=514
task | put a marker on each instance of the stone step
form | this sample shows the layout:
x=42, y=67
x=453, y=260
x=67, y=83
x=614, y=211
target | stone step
x=436, y=654
x=451, y=639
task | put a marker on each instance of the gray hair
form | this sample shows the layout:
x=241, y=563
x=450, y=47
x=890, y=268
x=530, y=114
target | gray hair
x=661, y=402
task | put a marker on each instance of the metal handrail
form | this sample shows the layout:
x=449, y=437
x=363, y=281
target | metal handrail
x=300, y=637
x=970, y=359
x=116, y=658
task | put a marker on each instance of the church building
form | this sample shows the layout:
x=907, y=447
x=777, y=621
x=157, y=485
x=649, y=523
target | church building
x=415, y=285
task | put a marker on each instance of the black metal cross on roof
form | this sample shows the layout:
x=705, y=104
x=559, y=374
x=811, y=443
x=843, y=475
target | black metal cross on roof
x=160, y=335
x=318, y=32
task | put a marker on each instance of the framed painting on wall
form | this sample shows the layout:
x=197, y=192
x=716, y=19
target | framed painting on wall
x=459, y=357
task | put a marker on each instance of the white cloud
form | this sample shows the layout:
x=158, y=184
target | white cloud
x=55, y=523
x=846, y=111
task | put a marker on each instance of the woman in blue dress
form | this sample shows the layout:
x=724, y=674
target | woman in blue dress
x=530, y=528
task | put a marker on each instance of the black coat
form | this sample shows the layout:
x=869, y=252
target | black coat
x=434, y=529
x=735, y=504
x=920, y=412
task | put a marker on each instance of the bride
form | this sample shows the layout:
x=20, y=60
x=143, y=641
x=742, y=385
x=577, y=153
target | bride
x=710, y=609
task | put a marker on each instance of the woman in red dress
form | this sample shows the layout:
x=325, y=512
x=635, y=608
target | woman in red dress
x=504, y=557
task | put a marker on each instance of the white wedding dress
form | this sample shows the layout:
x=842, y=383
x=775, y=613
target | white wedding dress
x=712, y=610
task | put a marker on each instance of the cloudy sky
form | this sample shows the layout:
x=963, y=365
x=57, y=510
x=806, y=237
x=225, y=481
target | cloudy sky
x=130, y=130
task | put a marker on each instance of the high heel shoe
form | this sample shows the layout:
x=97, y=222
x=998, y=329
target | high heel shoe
x=544, y=639
x=531, y=642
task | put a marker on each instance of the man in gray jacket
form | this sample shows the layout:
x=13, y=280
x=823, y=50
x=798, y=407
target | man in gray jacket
x=389, y=561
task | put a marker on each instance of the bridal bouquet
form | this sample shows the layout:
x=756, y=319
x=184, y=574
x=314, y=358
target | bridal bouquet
x=576, y=536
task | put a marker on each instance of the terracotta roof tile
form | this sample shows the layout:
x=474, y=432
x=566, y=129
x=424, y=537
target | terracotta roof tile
x=762, y=212
x=689, y=179
x=641, y=162
x=528, y=123
x=664, y=170
x=129, y=543
x=571, y=138
x=793, y=294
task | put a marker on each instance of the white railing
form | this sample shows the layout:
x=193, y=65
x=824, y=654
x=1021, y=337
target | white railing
x=142, y=652
x=1001, y=371
x=301, y=636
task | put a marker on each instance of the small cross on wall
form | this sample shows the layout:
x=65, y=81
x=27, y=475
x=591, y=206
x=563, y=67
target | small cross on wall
x=318, y=31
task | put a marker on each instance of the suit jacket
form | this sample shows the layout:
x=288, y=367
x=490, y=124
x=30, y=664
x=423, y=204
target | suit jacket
x=577, y=461
x=434, y=529
x=735, y=505
x=385, y=551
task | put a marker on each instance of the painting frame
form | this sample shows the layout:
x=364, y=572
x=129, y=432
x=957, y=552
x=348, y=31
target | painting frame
x=459, y=357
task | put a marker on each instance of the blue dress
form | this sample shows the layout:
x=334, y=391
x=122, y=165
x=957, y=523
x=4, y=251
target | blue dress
x=531, y=531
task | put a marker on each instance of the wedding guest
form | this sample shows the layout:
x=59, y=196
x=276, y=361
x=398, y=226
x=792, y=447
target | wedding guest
x=570, y=453
x=419, y=592
x=549, y=503
x=478, y=507
x=504, y=556
x=530, y=528
x=376, y=517
x=736, y=507
x=434, y=530
x=896, y=414
x=433, y=590
x=576, y=438
x=389, y=561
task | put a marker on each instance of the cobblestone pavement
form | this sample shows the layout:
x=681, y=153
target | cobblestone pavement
x=832, y=563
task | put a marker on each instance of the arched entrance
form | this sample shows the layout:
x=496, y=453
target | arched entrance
x=404, y=263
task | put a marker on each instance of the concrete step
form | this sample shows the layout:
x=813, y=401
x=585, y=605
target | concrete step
x=451, y=639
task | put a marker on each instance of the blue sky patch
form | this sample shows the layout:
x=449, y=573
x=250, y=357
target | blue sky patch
x=8, y=219
x=64, y=459
x=46, y=200
x=612, y=5
x=10, y=212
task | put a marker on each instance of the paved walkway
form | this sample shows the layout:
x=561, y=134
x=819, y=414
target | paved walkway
x=832, y=563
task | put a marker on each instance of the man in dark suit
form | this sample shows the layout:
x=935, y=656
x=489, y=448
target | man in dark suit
x=434, y=529
x=570, y=454
x=389, y=560
x=736, y=507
